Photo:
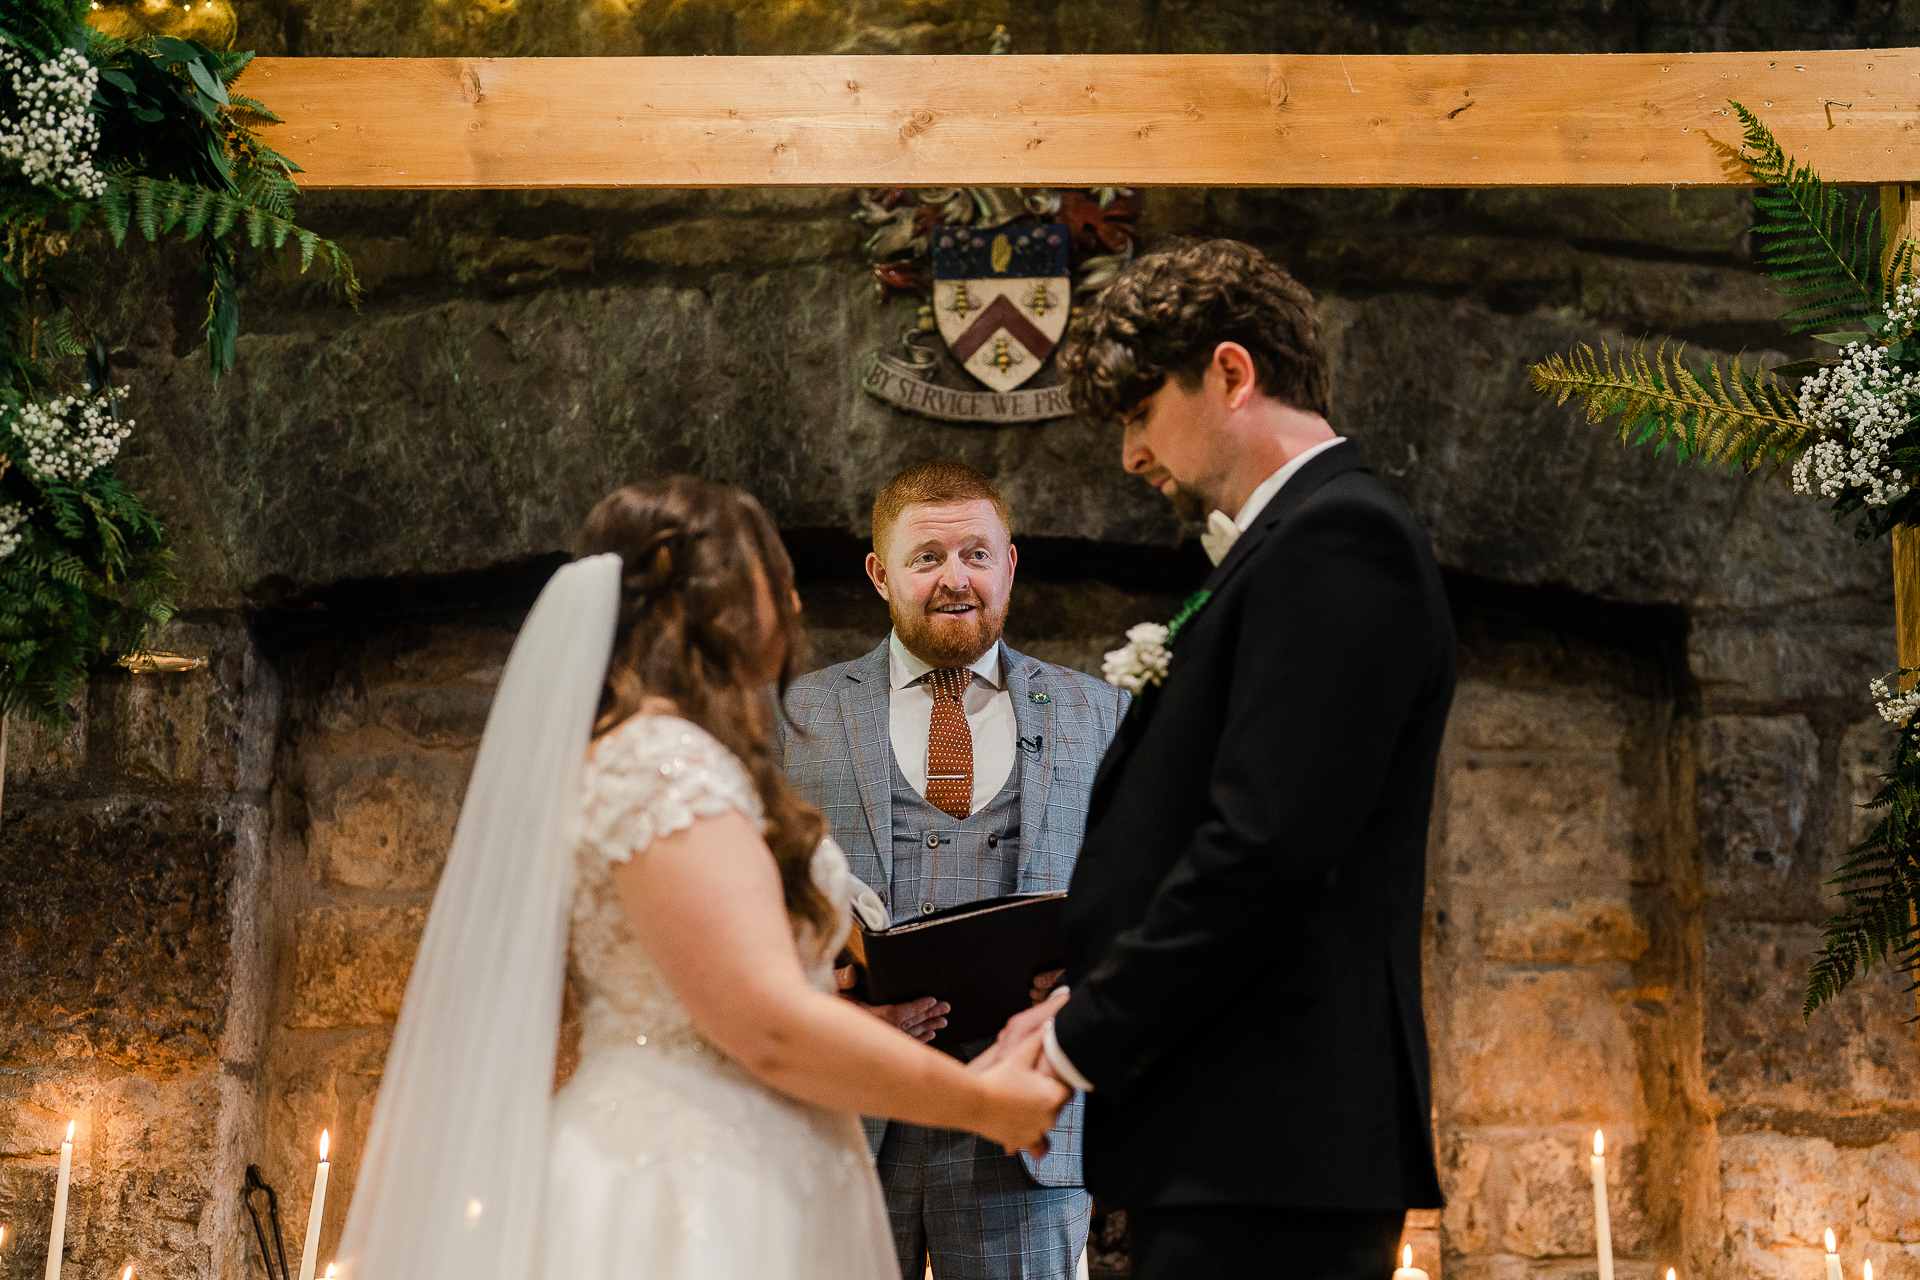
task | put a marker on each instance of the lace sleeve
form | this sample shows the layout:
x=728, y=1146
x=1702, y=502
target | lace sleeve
x=653, y=776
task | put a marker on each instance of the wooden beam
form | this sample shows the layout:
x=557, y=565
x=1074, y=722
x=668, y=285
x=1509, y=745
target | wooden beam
x=1254, y=120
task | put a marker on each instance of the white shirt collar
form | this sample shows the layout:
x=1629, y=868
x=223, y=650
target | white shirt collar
x=1263, y=494
x=904, y=668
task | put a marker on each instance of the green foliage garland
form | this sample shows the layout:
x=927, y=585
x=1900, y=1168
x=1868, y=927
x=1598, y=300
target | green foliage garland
x=1880, y=881
x=1848, y=429
x=150, y=138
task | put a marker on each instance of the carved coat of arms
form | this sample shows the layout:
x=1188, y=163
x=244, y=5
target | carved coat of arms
x=1001, y=298
x=1000, y=269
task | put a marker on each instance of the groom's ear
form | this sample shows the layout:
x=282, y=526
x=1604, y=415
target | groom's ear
x=877, y=574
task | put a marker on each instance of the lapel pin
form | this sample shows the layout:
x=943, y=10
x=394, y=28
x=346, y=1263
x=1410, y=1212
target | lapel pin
x=1039, y=697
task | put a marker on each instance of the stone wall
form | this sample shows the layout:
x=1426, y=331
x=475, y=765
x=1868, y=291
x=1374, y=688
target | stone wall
x=133, y=854
x=214, y=882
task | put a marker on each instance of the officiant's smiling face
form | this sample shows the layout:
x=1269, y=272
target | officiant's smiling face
x=946, y=572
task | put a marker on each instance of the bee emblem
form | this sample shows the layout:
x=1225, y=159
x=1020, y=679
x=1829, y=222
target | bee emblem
x=1004, y=357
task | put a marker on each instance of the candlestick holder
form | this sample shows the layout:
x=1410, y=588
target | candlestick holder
x=258, y=1183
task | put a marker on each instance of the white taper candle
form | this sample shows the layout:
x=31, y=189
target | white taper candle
x=57, y=1238
x=1602, y=1226
x=311, y=1254
x=1833, y=1257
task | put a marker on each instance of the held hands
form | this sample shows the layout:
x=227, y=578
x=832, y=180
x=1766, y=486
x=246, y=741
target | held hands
x=1027, y=1025
x=1023, y=1099
x=918, y=1018
x=1021, y=1030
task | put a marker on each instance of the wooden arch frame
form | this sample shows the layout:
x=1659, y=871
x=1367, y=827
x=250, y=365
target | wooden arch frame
x=1246, y=120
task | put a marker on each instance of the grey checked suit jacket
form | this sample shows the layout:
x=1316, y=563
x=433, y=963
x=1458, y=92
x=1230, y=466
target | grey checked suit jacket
x=843, y=765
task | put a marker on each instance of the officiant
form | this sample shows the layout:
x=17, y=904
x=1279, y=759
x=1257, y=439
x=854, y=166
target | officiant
x=952, y=769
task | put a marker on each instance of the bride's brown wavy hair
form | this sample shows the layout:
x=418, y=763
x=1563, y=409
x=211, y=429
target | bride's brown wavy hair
x=689, y=629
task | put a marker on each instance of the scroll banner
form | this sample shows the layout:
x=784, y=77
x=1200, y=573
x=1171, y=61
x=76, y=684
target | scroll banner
x=899, y=383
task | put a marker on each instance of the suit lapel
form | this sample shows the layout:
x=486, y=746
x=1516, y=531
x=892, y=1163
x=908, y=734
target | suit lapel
x=864, y=709
x=1298, y=488
x=1033, y=723
x=1338, y=460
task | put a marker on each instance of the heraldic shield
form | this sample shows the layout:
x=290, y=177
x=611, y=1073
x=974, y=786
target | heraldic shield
x=1001, y=298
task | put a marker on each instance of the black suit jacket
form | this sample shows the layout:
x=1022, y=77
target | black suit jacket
x=1243, y=929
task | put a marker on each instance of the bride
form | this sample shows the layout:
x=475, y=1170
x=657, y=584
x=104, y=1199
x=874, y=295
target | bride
x=627, y=826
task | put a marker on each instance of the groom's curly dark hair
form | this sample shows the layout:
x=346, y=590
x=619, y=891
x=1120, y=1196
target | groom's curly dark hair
x=1164, y=316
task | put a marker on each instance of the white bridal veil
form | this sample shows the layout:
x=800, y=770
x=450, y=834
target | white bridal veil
x=451, y=1181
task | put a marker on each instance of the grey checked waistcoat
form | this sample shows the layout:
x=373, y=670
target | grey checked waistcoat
x=841, y=761
x=940, y=861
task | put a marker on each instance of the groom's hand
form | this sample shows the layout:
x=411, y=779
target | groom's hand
x=918, y=1018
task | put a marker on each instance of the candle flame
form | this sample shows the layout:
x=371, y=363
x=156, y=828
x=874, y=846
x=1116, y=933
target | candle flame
x=323, y=1145
x=1830, y=1246
x=1599, y=1143
x=3, y=1235
x=1406, y=1255
x=70, y=1125
x=1670, y=1274
x=127, y=1274
x=474, y=1208
x=330, y=1271
x=1867, y=1269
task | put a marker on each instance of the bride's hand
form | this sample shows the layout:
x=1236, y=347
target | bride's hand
x=1022, y=1103
x=1021, y=1026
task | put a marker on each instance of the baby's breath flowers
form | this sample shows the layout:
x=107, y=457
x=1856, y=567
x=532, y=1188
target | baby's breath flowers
x=1904, y=310
x=12, y=517
x=1860, y=406
x=1894, y=708
x=51, y=132
x=68, y=438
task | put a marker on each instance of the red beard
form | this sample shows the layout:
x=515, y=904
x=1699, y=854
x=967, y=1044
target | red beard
x=943, y=640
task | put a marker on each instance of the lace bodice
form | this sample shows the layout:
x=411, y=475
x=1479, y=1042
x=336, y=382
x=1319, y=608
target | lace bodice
x=650, y=777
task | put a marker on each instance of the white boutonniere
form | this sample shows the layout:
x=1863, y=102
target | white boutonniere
x=1143, y=660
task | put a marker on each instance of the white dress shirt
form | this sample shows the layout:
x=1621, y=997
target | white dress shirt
x=989, y=709
x=1221, y=533
x=1249, y=511
x=1263, y=492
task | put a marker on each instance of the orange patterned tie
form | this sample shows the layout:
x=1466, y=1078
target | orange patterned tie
x=950, y=744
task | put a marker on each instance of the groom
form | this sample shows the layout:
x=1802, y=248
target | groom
x=951, y=768
x=1243, y=930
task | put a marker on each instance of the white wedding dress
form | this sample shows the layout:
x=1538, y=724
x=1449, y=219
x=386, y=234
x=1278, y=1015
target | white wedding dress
x=667, y=1161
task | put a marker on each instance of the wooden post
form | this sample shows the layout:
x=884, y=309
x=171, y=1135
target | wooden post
x=1897, y=223
x=1897, y=219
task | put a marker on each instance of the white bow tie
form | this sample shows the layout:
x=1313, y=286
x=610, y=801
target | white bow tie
x=1220, y=535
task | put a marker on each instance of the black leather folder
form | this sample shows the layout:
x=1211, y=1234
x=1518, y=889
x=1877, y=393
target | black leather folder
x=979, y=957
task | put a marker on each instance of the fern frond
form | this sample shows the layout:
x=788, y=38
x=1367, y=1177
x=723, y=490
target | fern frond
x=1820, y=250
x=61, y=334
x=157, y=207
x=1732, y=416
x=1880, y=882
x=250, y=111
